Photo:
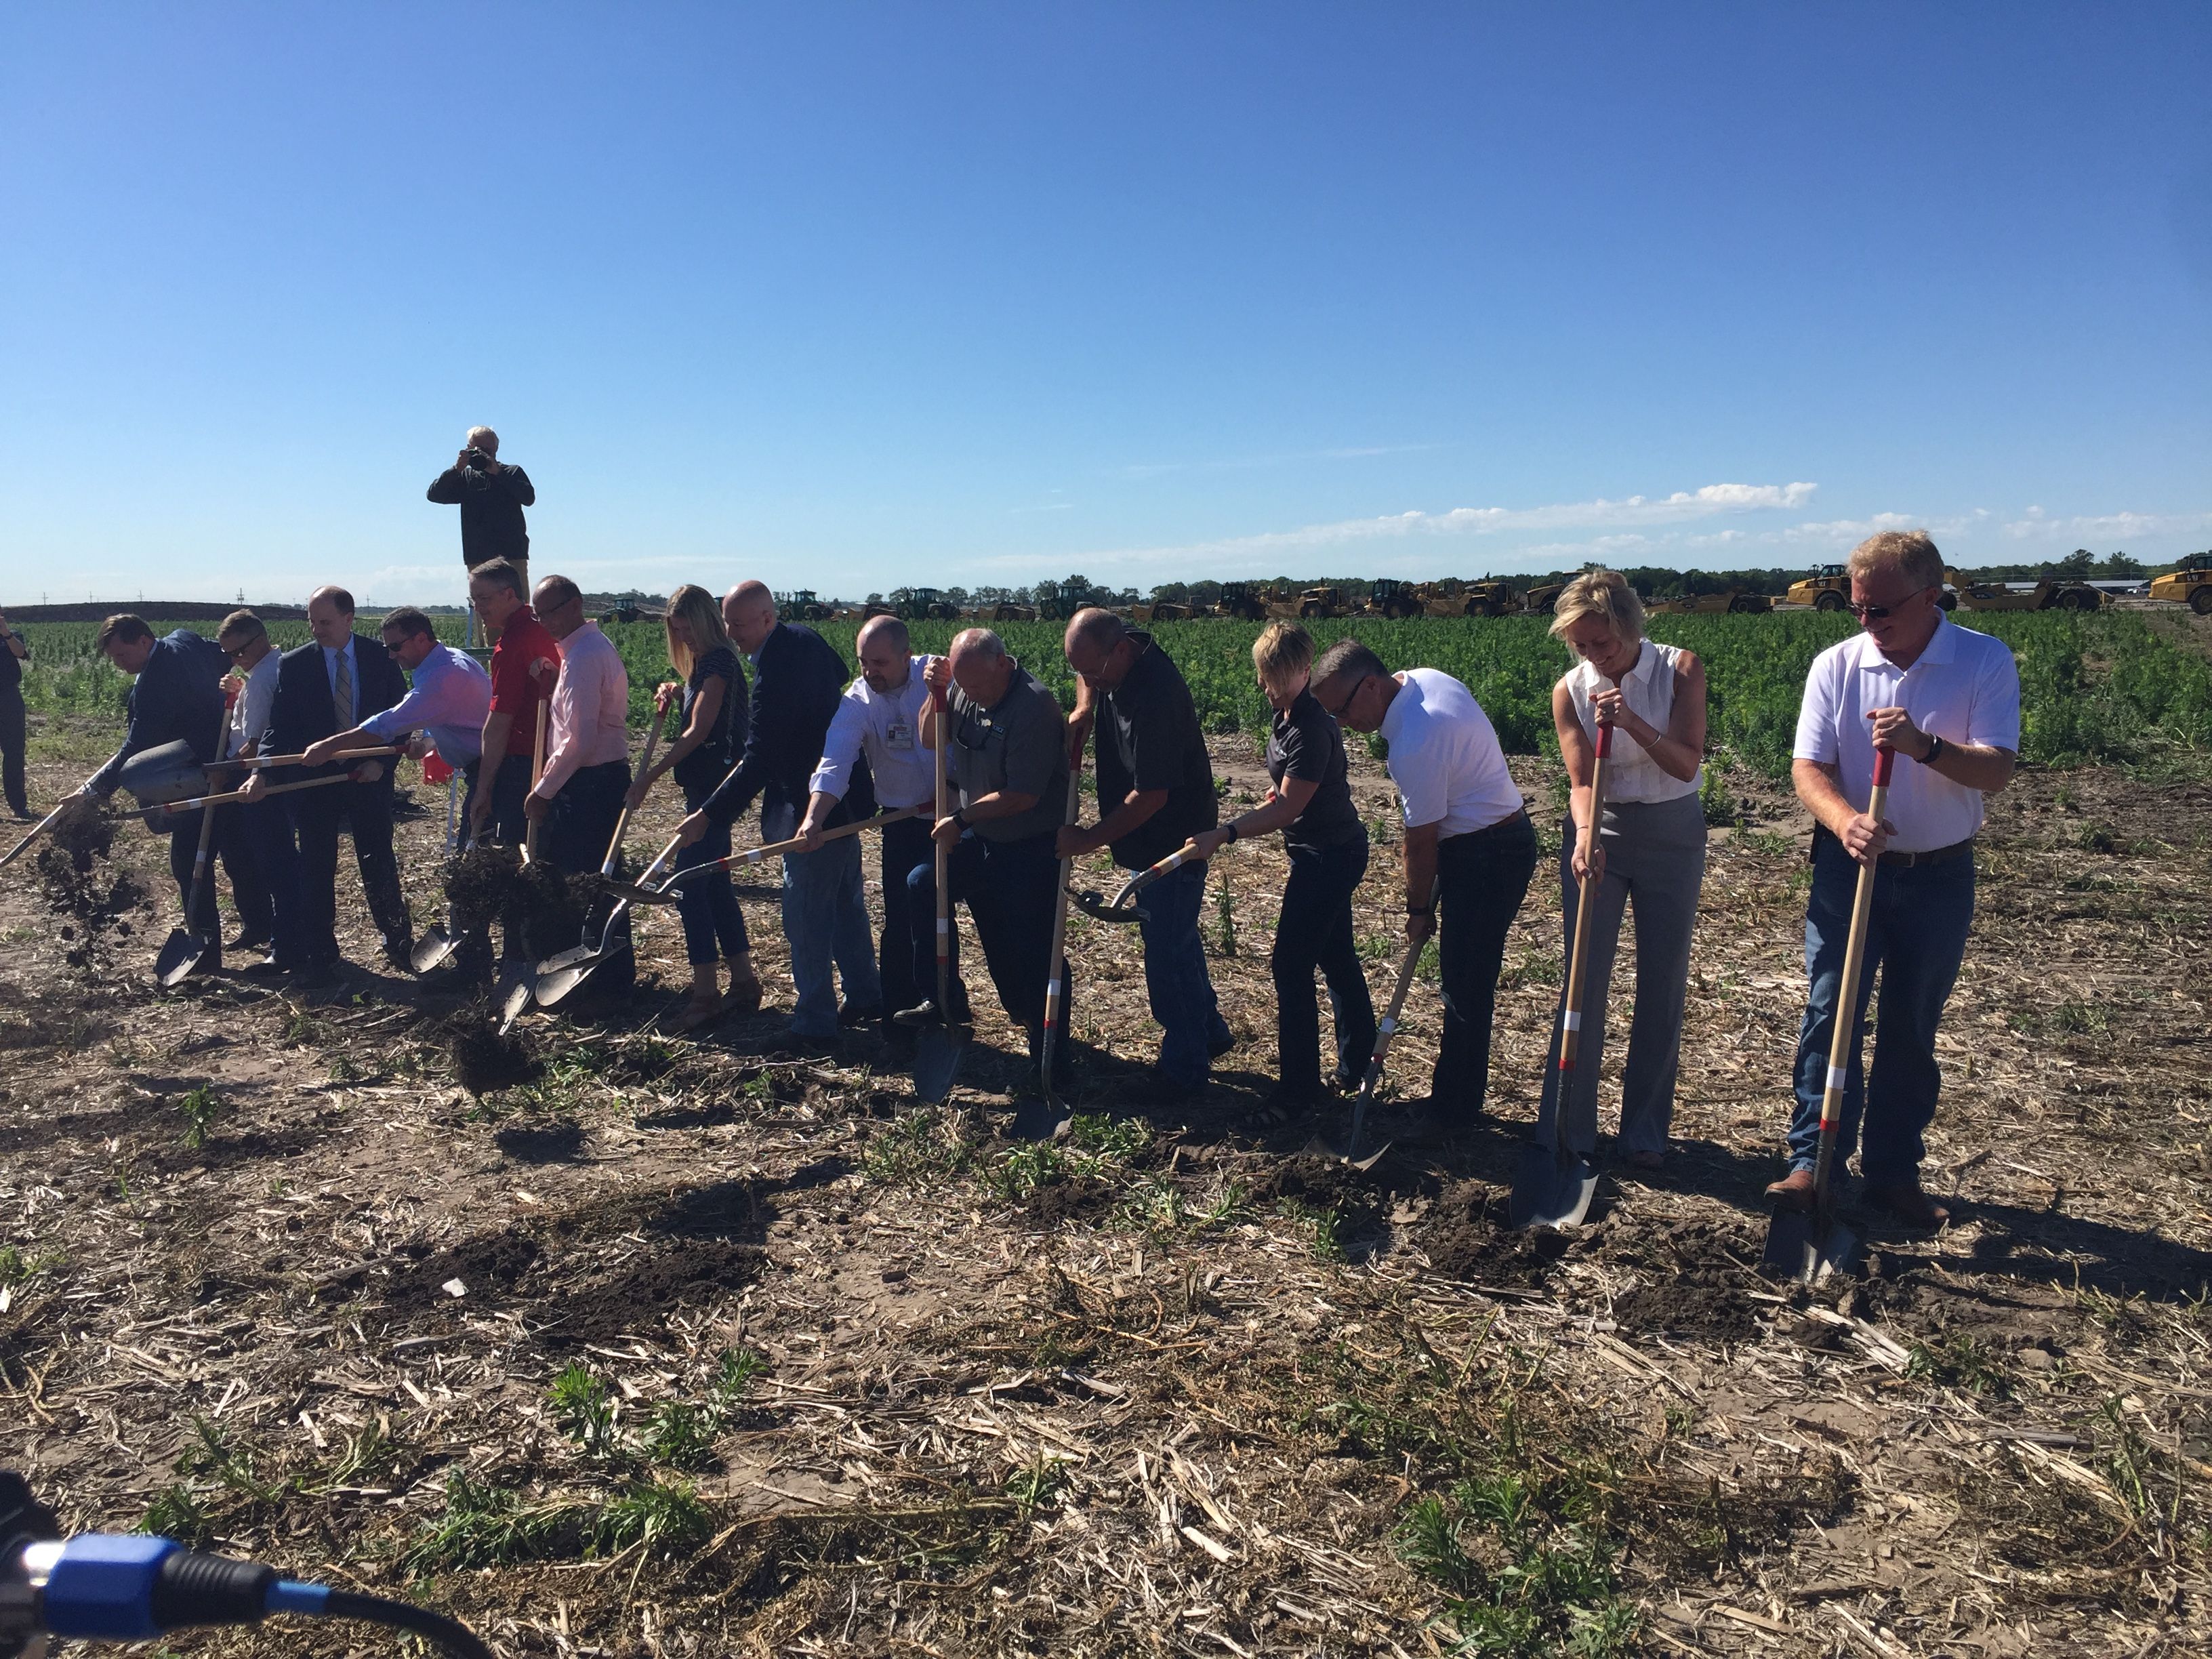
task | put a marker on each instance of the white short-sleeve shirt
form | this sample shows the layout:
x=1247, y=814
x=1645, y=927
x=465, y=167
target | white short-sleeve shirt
x=1963, y=688
x=1648, y=688
x=1444, y=756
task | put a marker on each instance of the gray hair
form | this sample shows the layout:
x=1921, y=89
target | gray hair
x=484, y=438
x=979, y=642
x=1911, y=553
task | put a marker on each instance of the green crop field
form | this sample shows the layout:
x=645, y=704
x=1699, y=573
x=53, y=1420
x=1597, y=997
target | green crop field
x=2104, y=688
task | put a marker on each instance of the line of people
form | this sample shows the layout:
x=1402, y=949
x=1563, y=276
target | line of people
x=817, y=753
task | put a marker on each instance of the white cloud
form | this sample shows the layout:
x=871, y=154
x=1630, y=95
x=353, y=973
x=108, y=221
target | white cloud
x=2108, y=526
x=1250, y=552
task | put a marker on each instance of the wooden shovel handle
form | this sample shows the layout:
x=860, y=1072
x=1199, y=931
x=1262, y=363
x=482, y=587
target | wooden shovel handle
x=238, y=795
x=344, y=759
x=1570, y=1022
x=537, y=771
x=1843, y=1040
x=622, y=818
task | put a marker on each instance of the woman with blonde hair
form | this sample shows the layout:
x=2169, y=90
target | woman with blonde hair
x=1311, y=803
x=712, y=686
x=1647, y=849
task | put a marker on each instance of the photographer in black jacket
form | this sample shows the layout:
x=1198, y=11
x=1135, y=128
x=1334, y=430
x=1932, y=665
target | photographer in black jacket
x=491, y=497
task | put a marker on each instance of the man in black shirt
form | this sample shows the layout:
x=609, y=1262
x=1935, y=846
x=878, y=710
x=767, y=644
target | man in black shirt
x=1156, y=788
x=13, y=651
x=491, y=497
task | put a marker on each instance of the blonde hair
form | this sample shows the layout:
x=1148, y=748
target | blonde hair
x=1911, y=553
x=1603, y=593
x=1283, y=651
x=693, y=605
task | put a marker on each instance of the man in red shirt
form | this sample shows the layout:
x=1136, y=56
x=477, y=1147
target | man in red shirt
x=524, y=663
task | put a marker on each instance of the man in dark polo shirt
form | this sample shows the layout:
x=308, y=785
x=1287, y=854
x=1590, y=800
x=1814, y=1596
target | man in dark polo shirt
x=13, y=655
x=1156, y=788
x=1008, y=768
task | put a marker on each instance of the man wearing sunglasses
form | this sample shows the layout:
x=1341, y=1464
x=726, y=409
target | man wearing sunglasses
x=1469, y=847
x=1947, y=700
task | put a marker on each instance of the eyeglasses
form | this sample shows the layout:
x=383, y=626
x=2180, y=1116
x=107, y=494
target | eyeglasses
x=391, y=650
x=1337, y=713
x=1867, y=613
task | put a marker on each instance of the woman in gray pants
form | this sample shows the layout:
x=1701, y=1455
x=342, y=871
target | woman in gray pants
x=1650, y=849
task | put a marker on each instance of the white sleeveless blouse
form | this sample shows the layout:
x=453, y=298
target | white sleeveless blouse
x=1631, y=774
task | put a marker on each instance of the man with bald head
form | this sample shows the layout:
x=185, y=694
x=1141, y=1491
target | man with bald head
x=1156, y=790
x=878, y=721
x=325, y=687
x=1007, y=766
x=491, y=497
x=798, y=681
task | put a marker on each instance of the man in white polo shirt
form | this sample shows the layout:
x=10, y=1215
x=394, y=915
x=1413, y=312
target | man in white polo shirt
x=879, y=718
x=1469, y=846
x=1948, y=701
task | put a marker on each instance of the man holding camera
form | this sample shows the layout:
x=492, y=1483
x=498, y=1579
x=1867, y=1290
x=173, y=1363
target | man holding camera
x=491, y=497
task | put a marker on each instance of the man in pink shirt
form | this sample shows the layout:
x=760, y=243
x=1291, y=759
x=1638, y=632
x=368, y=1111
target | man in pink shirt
x=579, y=798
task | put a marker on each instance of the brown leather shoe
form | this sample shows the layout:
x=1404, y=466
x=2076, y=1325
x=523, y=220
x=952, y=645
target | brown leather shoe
x=744, y=996
x=1909, y=1205
x=1794, y=1189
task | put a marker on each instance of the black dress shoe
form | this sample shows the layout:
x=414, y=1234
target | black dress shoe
x=265, y=969
x=399, y=952
x=849, y=1015
x=315, y=975
x=1217, y=1047
x=248, y=942
x=924, y=1013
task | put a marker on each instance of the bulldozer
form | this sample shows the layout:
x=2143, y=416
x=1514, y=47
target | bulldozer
x=2045, y=595
x=1736, y=601
x=1828, y=588
x=1387, y=597
x=1313, y=602
x=1239, y=600
x=2192, y=586
x=1542, y=600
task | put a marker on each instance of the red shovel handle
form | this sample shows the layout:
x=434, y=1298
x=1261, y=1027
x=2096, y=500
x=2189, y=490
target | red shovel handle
x=1604, y=740
x=1885, y=762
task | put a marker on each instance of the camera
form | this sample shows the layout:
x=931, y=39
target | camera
x=477, y=458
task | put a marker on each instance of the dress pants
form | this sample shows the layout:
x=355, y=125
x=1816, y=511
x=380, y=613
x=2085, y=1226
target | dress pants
x=906, y=849
x=1655, y=861
x=578, y=828
x=201, y=917
x=266, y=826
x=316, y=817
x=1009, y=888
x=1486, y=876
x=234, y=841
x=1315, y=931
x=12, y=742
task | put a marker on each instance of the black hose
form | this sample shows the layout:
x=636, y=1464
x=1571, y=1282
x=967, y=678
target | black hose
x=450, y=1634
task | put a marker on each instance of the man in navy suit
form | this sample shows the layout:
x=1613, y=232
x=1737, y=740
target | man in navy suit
x=323, y=689
x=798, y=679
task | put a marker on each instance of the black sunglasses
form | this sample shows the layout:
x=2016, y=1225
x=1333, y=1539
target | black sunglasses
x=1337, y=713
x=1876, y=613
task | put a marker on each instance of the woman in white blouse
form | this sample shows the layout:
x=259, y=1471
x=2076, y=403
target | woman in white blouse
x=1650, y=849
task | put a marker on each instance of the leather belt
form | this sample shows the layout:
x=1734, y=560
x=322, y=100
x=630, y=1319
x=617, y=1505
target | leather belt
x=1957, y=849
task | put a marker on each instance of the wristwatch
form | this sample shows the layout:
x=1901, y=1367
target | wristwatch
x=960, y=820
x=1935, y=749
x=1232, y=829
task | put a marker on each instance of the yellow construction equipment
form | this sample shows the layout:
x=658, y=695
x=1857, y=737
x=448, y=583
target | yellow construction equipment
x=2192, y=586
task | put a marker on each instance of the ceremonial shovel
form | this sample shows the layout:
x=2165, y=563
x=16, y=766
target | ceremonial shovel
x=937, y=1052
x=185, y=948
x=1055, y=984
x=1553, y=1186
x=516, y=998
x=1123, y=906
x=40, y=828
x=636, y=892
x=559, y=974
x=1812, y=1243
x=1383, y=1034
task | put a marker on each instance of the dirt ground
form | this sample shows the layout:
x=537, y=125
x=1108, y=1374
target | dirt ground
x=706, y=1346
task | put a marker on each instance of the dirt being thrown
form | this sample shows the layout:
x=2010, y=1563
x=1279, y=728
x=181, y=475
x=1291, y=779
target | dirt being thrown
x=486, y=1059
x=481, y=885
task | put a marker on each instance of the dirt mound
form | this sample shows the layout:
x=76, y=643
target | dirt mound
x=1462, y=1242
x=486, y=1266
x=1084, y=1199
x=1323, y=1184
x=486, y=1061
x=1697, y=1278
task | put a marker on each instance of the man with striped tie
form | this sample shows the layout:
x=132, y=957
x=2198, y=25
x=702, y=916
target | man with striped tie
x=326, y=687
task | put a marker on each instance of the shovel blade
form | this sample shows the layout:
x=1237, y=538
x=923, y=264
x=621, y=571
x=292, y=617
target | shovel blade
x=556, y=984
x=1802, y=1245
x=432, y=949
x=1552, y=1188
x=180, y=956
x=512, y=1005
x=937, y=1054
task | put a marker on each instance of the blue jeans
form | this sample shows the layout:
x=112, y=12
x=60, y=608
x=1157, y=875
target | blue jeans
x=714, y=926
x=1009, y=888
x=1485, y=875
x=1917, y=935
x=1316, y=932
x=1175, y=978
x=825, y=920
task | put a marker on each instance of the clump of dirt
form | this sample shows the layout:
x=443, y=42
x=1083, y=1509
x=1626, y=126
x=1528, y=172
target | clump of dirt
x=74, y=875
x=642, y=1294
x=1694, y=1304
x=1462, y=1241
x=486, y=1059
x=1323, y=1184
x=552, y=906
x=480, y=883
x=1697, y=1278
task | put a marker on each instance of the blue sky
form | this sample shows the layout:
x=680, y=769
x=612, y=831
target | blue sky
x=849, y=296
